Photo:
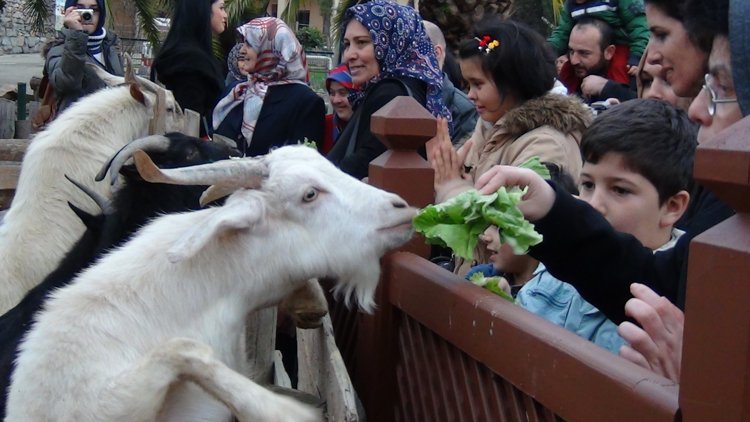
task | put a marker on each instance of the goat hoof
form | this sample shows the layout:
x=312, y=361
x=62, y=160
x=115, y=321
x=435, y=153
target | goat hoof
x=309, y=320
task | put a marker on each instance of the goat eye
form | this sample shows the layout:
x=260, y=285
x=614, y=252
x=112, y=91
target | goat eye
x=310, y=195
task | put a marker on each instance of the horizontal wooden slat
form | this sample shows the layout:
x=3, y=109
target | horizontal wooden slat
x=569, y=375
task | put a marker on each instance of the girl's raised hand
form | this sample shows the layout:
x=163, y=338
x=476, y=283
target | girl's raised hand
x=446, y=161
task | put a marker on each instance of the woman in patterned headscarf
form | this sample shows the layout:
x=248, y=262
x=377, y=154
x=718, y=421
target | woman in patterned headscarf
x=388, y=54
x=278, y=107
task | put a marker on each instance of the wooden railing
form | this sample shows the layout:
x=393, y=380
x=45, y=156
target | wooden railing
x=440, y=349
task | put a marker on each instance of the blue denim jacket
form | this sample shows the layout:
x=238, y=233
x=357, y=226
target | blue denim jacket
x=560, y=303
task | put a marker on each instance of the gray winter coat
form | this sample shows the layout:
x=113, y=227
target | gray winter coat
x=66, y=70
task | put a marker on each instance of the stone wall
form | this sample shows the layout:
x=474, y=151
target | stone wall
x=15, y=33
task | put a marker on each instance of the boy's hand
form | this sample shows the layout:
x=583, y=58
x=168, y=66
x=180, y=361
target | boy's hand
x=632, y=70
x=658, y=345
x=538, y=199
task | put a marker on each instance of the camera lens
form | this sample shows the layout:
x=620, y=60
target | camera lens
x=86, y=16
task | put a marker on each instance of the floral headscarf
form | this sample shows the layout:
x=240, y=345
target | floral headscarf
x=232, y=62
x=280, y=61
x=402, y=48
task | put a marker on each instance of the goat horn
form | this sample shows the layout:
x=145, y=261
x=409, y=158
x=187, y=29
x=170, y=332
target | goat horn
x=215, y=192
x=129, y=72
x=104, y=204
x=154, y=143
x=232, y=173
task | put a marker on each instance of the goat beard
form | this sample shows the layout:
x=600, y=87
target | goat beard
x=360, y=284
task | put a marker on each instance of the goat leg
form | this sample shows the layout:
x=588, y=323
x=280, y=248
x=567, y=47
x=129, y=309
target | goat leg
x=306, y=305
x=139, y=394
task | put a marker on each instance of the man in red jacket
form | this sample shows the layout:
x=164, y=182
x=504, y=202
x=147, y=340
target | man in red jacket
x=596, y=69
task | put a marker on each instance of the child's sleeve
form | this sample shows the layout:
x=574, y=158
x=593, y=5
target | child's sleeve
x=633, y=18
x=560, y=35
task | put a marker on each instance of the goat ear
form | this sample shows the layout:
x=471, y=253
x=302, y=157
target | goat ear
x=137, y=94
x=236, y=215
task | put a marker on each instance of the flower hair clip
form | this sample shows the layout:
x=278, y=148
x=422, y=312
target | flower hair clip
x=487, y=44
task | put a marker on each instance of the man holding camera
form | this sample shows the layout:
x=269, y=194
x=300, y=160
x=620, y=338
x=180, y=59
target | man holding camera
x=82, y=39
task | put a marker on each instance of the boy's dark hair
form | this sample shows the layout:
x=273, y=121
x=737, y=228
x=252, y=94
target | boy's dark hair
x=562, y=178
x=706, y=19
x=607, y=34
x=654, y=138
x=523, y=64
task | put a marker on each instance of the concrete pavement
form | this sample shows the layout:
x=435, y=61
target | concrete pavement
x=16, y=68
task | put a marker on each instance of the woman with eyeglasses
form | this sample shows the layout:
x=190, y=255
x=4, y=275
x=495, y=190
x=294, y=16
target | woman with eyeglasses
x=82, y=39
x=620, y=259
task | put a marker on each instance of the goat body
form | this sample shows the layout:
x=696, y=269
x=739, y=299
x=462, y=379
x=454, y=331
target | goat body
x=39, y=228
x=135, y=335
x=132, y=205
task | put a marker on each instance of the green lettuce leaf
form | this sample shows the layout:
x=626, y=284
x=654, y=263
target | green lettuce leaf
x=458, y=222
x=491, y=284
x=534, y=163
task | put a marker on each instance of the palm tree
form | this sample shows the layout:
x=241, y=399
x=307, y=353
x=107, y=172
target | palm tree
x=39, y=13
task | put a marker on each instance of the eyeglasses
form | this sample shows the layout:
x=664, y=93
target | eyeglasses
x=710, y=86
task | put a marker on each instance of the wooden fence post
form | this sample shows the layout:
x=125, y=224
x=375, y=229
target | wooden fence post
x=715, y=381
x=403, y=125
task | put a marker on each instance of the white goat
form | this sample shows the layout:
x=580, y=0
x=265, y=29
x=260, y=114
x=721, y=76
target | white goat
x=39, y=227
x=123, y=340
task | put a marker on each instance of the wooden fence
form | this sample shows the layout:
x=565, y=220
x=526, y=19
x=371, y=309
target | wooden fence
x=441, y=349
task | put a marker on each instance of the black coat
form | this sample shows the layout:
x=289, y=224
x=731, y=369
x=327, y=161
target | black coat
x=367, y=147
x=195, y=79
x=581, y=248
x=290, y=113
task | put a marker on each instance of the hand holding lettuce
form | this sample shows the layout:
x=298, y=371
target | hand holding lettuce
x=458, y=222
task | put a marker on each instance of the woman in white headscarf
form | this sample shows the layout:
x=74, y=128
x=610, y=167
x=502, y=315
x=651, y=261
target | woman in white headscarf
x=278, y=107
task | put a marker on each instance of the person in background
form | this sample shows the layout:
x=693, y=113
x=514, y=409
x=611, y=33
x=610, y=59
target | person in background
x=274, y=106
x=462, y=110
x=339, y=86
x=186, y=64
x=657, y=343
x=652, y=84
x=81, y=41
x=235, y=71
x=593, y=71
x=389, y=55
x=626, y=18
x=510, y=70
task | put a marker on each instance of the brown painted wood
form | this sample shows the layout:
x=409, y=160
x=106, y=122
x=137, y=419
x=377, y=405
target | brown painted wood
x=404, y=126
x=715, y=381
x=567, y=374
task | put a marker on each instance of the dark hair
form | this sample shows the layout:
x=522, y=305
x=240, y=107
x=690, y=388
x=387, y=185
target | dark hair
x=523, y=64
x=673, y=8
x=676, y=9
x=605, y=30
x=706, y=19
x=561, y=177
x=191, y=25
x=453, y=70
x=654, y=138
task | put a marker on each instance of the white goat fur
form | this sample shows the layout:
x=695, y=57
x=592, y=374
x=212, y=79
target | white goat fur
x=39, y=227
x=114, y=344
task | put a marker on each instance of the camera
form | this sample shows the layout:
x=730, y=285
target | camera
x=87, y=15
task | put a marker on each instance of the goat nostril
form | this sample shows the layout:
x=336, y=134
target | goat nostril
x=400, y=204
